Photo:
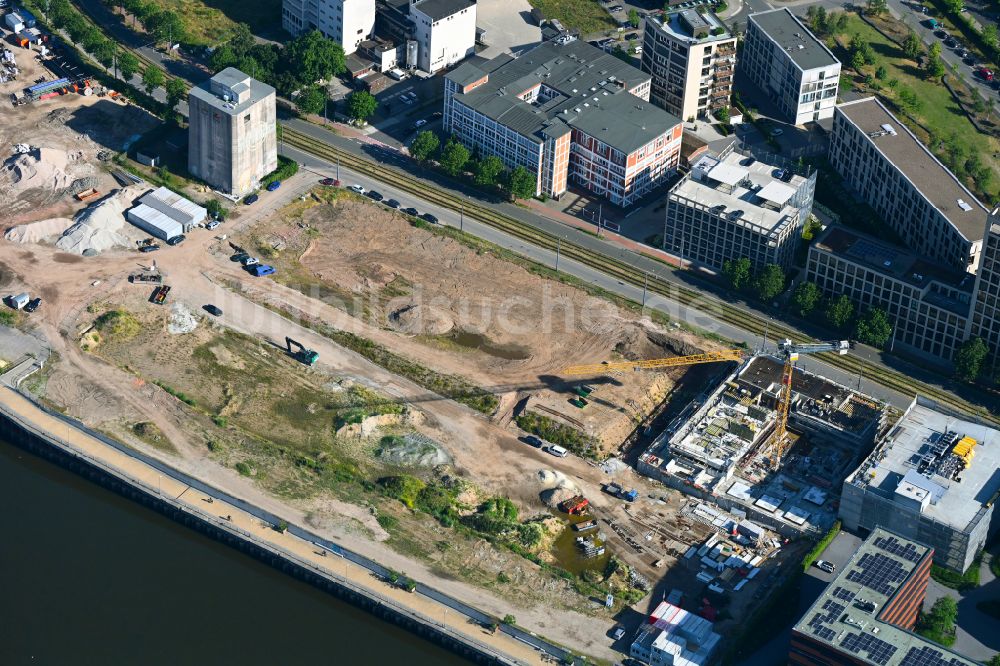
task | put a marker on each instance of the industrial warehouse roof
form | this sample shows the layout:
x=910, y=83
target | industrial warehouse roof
x=175, y=206
x=907, y=154
x=847, y=614
x=926, y=430
x=794, y=38
x=586, y=89
x=148, y=217
x=439, y=9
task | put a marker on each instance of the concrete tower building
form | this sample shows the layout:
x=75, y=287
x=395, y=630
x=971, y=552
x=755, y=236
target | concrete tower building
x=231, y=138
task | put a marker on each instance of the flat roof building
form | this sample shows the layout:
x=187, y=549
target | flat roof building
x=866, y=614
x=674, y=637
x=565, y=111
x=445, y=32
x=691, y=57
x=347, y=22
x=731, y=206
x=934, y=478
x=166, y=214
x=232, y=132
x=787, y=62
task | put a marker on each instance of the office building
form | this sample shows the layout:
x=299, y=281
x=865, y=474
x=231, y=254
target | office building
x=865, y=616
x=691, y=57
x=231, y=133
x=986, y=313
x=445, y=32
x=788, y=64
x=347, y=22
x=674, y=637
x=732, y=206
x=932, y=478
x=567, y=112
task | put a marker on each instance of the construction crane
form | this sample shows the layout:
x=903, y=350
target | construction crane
x=790, y=352
x=301, y=354
x=656, y=363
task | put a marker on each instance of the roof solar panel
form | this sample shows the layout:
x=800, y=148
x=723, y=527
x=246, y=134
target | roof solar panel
x=879, y=573
x=894, y=546
x=844, y=595
x=877, y=650
x=928, y=656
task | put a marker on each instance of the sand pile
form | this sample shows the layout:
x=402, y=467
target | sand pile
x=419, y=319
x=98, y=227
x=43, y=169
x=557, y=488
x=36, y=232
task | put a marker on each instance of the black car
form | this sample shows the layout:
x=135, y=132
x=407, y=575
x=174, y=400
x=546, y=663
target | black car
x=533, y=441
x=427, y=217
x=391, y=203
x=213, y=310
x=149, y=248
x=176, y=240
x=411, y=211
x=32, y=305
x=251, y=199
x=436, y=115
x=375, y=196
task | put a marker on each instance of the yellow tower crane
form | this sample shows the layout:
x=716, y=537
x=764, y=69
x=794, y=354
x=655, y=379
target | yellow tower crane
x=655, y=364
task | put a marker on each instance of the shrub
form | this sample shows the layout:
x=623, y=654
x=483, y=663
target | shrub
x=404, y=488
x=387, y=522
x=118, y=324
x=286, y=169
x=244, y=469
x=557, y=433
x=820, y=546
x=509, y=619
x=956, y=581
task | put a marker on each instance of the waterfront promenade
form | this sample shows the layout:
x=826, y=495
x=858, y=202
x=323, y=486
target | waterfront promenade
x=323, y=558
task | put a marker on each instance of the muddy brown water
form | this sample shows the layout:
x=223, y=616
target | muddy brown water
x=482, y=343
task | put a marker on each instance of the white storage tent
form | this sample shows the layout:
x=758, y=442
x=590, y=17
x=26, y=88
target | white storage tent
x=155, y=222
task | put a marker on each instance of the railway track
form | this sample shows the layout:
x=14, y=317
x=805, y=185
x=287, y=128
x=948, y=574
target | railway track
x=620, y=270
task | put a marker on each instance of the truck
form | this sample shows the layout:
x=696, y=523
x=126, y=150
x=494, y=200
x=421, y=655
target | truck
x=616, y=490
x=160, y=294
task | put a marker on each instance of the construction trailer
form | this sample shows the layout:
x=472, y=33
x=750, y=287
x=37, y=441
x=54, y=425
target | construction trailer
x=18, y=301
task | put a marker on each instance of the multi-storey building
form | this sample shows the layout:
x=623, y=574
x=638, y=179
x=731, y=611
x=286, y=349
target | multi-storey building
x=672, y=636
x=933, y=213
x=566, y=111
x=986, y=312
x=927, y=303
x=231, y=135
x=932, y=477
x=866, y=614
x=731, y=206
x=786, y=61
x=691, y=57
x=347, y=22
x=445, y=31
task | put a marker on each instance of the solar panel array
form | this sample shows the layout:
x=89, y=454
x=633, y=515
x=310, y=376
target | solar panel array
x=819, y=622
x=894, y=546
x=928, y=656
x=844, y=595
x=879, y=573
x=877, y=650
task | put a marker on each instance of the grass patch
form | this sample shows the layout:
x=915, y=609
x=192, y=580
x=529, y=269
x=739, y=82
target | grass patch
x=956, y=581
x=119, y=325
x=820, y=546
x=551, y=431
x=585, y=15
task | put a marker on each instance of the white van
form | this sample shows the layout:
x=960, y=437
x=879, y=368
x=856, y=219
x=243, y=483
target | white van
x=557, y=450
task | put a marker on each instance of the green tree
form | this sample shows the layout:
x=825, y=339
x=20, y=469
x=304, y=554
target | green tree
x=770, y=282
x=912, y=46
x=934, y=68
x=313, y=58
x=857, y=61
x=817, y=17
x=874, y=328
x=312, y=100
x=737, y=272
x=166, y=26
x=633, y=18
x=954, y=6
x=361, y=105
x=522, y=184
x=969, y=359
x=938, y=624
x=881, y=73
x=509, y=619
x=723, y=115
x=152, y=78
x=176, y=90
x=907, y=100
x=935, y=50
x=453, y=157
x=990, y=35
x=488, y=170
x=128, y=65
x=839, y=312
x=424, y=146
x=806, y=297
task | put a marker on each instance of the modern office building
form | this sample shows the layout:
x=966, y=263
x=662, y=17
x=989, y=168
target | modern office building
x=445, y=31
x=566, y=111
x=674, y=637
x=691, y=57
x=732, y=206
x=933, y=213
x=347, y=22
x=231, y=134
x=866, y=614
x=933, y=477
x=986, y=312
x=790, y=65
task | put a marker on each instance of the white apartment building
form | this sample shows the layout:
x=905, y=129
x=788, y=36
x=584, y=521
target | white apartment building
x=445, y=31
x=347, y=22
x=691, y=57
x=786, y=61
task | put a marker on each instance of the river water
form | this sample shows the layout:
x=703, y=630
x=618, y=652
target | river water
x=91, y=578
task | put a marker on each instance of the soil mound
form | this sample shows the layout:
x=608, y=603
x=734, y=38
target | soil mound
x=36, y=232
x=98, y=226
x=418, y=319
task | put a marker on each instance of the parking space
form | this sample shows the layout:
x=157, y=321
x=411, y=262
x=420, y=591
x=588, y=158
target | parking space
x=839, y=551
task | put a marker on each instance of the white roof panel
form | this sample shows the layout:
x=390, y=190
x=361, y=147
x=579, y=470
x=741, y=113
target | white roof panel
x=728, y=173
x=777, y=193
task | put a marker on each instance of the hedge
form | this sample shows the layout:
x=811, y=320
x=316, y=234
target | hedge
x=286, y=169
x=820, y=546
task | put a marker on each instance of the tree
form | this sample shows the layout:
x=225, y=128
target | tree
x=770, y=282
x=176, y=90
x=874, y=328
x=934, y=68
x=425, y=145
x=938, y=624
x=737, y=272
x=152, y=78
x=509, y=619
x=991, y=36
x=881, y=73
x=806, y=297
x=935, y=50
x=912, y=46
x=633, y=18
x=857, y=61
x=522, y=184
x=313, y=57
x=166, y=26
x=969, y=359
x=723, y=115
x=218, y=212
x=312, y=100
x=907, y=100
x=453, y=157
x=361, y=105
x=128, y=65
x=488, y=170
x=839, y=312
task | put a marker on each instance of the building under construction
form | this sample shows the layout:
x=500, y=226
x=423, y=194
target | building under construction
x=723, y=447
x=934, y=478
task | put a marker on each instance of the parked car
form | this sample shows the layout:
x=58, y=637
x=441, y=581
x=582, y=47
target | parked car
x=214, y=224
x=427, y=217
x=420, y=123
x=375, y=196
x=251, y=199
x=213, y=310
x=391, y=203
x=176, y=240
x=985, y=74
x=32, y=305
x=273, y=186
x=260, y=270
x=357, y=189
x=436, y=115
x=411, y=211
x=777, y=131
x=823, y=565
x=328, y=181
x=249, y=261
x=149, y=248
x=619, y=632
x=557, y=451
x=534, y=441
